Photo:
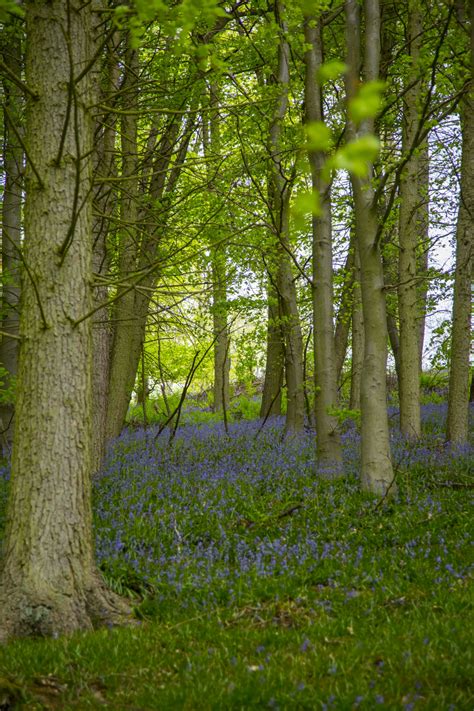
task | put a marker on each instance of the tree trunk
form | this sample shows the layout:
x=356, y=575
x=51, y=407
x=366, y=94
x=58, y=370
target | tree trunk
x=221, y=331
x=328, y=445
x=357, y=337
x=293, y=337
x=280, y=186
x=275, y=360
x=377, y=471
x=458, y=400
x=211, y=141
x=423, y=244
x=11, y=227
x=394, y=340
x=128, y=324
x=343, y=320
x=104, y=199
x=409, y=238
x=49, y=582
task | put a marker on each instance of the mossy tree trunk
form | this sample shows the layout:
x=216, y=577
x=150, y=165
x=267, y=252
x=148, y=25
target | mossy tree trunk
x=128, y=324
x=49, y=583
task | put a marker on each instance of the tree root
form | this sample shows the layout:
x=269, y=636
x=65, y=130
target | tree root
x=32, y=613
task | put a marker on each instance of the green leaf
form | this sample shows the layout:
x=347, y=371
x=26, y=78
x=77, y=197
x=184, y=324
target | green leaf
x=330, y=71
x=368, y=101
x=9, y=8
x=305, y=203
x=319, y=136
x=314, y=7
x=356, y=156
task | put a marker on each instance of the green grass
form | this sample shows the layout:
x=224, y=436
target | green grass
x=387, y=653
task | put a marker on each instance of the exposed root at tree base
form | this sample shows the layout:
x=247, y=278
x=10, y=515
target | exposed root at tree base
x=32, y=613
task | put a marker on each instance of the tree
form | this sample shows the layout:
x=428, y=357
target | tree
x=275, y=357
x=212, y=152
x=105, y=81
x=280, y=189
x=377, y=471
x=325, y=399
x=49, y=584
x=458, y=400
x=412, y=232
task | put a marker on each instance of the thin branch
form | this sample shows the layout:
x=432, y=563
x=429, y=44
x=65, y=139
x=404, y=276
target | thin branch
x=10, y=335
x=22, y=143
x=16, y=80
x=28, y=271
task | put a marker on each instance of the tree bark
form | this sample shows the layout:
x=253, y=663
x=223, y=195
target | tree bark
x=328, y=445
x=343, y=319
x=377, y=471
x=411, y=214
x=128, y=324
x=104, y=200
x=11, y=225
x=49, y=582
x=357, y=363
x=211, y=140
x=280, y=186
x=457, y=427
x=275, y=358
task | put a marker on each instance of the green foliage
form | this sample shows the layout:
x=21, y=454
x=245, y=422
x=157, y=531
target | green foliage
x=178, y=20
x=305, y=203
x=9, y=8
x=245, y=408
x=355, y=156
x=343, y=414
x=440, y=342
x=313, y=8
x=248, y=356
x=318, y=136
x=7, y=387
x=329, y=71
x=368, y=101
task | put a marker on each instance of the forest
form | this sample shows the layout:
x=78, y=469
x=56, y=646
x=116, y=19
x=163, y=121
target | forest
x=236, y=380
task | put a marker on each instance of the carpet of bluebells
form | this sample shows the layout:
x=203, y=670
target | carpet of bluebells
x=343, y=601
x=214, y=518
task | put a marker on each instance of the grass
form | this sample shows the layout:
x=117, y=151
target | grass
x=256, y=585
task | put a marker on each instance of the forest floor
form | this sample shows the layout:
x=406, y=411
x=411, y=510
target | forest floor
x=257, y=584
